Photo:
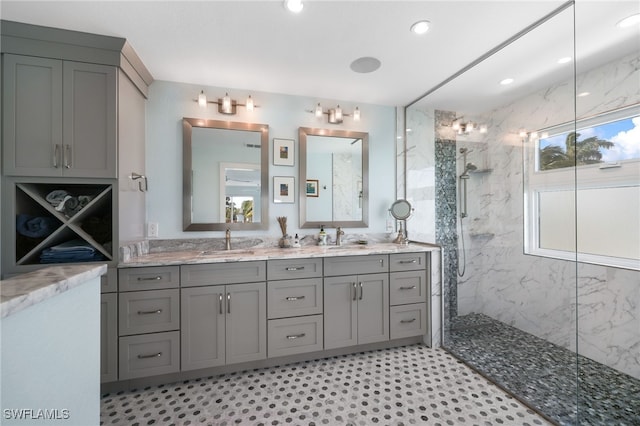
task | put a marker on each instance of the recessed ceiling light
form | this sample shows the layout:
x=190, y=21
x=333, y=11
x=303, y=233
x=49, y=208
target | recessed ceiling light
x=564, y=60
x=506, y=81
x=294, y=6
x=629, y=21
x=365, y=64
x=420, y=27
x=583, y=94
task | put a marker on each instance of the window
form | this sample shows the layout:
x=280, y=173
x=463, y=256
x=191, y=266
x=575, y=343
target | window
x=582, y=190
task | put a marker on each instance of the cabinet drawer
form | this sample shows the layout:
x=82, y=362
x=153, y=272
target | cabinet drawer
x=294, y=298
x=352, y=265
x=408, y=287
x=223, y=273
x=149, y=355
x=151, y=278
x=407, y=261
x=294, y=268
x=289, y=336
x=149, y=311
x=408, y=320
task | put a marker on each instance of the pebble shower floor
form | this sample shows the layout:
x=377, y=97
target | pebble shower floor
x=400, y=386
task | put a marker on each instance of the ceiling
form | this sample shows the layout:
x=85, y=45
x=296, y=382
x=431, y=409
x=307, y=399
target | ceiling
x=260, y=46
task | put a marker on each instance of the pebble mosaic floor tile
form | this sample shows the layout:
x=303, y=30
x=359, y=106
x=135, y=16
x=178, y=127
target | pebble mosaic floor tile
x=544, y=374
x=411, y=385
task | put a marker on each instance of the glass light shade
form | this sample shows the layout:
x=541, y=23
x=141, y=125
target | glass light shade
x=483, y=129
x=226, y=103
x=249, y=104
x=338, y=113
x=202, y=99
x=356, y=114
x=470, y=126
x=319, y=110
x=455, y=125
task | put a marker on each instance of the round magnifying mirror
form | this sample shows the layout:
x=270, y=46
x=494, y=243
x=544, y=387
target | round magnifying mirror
x=400, y=209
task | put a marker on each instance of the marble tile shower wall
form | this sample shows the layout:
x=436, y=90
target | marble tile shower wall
x=535, y=294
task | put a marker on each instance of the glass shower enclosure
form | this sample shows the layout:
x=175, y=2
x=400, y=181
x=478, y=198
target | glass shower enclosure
x=532, y=189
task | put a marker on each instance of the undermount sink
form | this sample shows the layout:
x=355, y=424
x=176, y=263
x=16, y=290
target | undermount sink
x=225, y=252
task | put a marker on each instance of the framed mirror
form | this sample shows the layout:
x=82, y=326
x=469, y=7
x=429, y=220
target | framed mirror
x=225, y=175
x=334, y=178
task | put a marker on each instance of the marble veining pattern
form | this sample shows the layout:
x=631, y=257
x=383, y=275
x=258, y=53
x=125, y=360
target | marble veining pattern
x=34, y=287
x=265, y=253
x=411, y=385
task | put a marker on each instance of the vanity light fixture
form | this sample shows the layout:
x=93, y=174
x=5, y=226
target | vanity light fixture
x=226, y=105
x=466, y=127
x=335, y=115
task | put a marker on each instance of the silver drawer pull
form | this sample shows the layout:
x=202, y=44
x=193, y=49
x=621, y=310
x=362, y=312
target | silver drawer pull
x=158, y=355
x=407, y=321
x=293, y=298
x=228, y=303
x=355, y=291
x=56, y=155
x=294, y=268
x=361, y=291
x=220, y=302
x=409, y=261
x=158, y=278
x=157, y=311
x=408, y=288
x=296, y=336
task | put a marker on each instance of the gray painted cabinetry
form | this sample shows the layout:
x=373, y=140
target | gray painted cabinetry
x=59, y=118
x=211, y=316
x=223, y=323
x=294, y=306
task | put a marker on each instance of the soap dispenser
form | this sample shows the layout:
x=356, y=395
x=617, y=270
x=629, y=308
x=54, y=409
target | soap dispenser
x=296, y=241
x=322, y=241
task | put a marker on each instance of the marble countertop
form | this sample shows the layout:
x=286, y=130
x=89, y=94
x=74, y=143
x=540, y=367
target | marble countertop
x=190, y=257
x=25, y=290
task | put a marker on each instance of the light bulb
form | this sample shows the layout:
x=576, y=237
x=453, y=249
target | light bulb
x=226, y=103
x=469, y=127
x=202, y=99
x=338, y=113
x=483, y=128
x=455, y=125
x=249, y=104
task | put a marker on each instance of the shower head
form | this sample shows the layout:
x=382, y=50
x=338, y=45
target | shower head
x=468, y=168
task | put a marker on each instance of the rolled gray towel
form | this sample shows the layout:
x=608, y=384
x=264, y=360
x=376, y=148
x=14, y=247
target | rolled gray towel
x=55, y=197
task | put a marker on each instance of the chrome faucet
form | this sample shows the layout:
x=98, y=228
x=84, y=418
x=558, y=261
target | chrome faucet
x=227, y=239
x=339, y=234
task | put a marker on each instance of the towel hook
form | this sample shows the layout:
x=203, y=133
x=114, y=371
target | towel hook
x=136, y=176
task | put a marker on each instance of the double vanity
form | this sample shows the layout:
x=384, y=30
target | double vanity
x=191, y=313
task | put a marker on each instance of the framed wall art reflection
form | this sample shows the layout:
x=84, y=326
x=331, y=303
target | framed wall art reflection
x=283, y=189
x=283, y=152
x=312, y=188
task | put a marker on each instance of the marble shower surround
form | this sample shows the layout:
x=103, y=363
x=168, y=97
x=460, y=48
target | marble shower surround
x=536, y=294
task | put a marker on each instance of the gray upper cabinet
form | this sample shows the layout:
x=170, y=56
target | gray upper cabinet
x=59, y=118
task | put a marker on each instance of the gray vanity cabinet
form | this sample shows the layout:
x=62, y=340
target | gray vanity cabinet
x=356, y=310
x=409, y=285
x=108, y=337
x=59, y=118
x=223, y=324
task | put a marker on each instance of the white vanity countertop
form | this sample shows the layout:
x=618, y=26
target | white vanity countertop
x=34, y=287
x=187, y=257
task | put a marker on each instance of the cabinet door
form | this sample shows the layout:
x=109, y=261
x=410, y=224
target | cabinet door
x=32, y=116
x=373, y=308
x=90, y=124
x=202, y=329
x=246, y=322
x=108, y=338
x=340, y=312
